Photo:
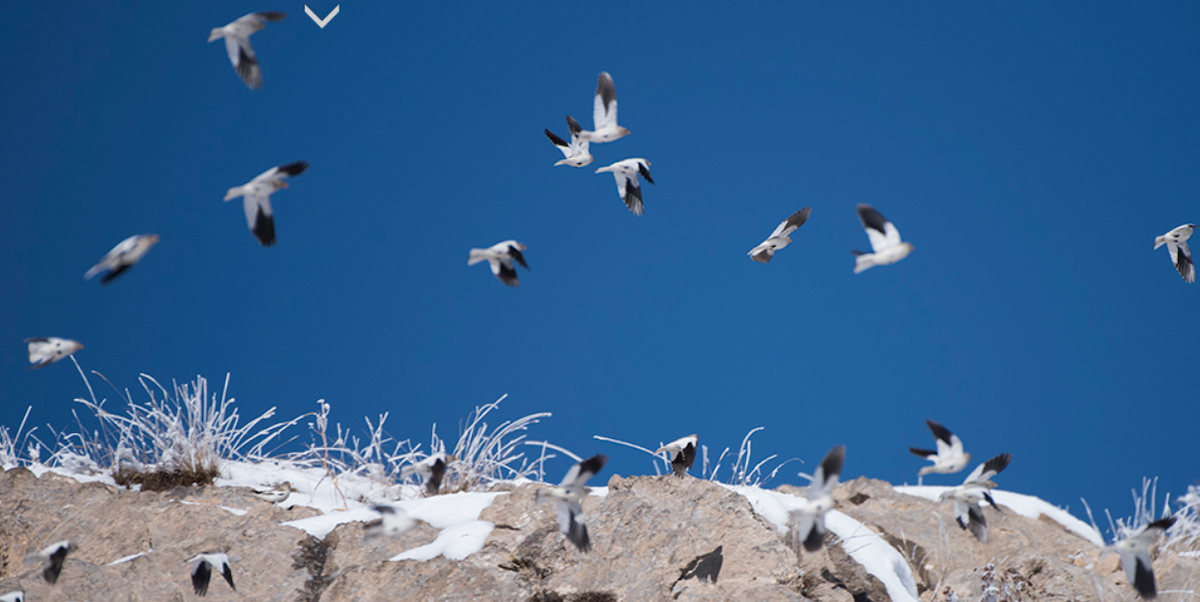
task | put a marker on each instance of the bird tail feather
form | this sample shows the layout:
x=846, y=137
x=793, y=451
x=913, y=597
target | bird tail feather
x=476, y=256
x=233, y=193
x=1159, y=241
x=215, y=34
x=92, y=272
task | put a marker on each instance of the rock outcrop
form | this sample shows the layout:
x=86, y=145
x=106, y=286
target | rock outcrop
x=654, y=539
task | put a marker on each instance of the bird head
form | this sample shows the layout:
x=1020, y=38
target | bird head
x=908, y=245
x=622, y=131
x=151, y=240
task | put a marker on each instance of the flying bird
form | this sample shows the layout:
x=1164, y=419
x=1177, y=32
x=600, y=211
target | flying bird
x=885, y=240
x=237, y=44
x=257, y=199
x=433, y=468
x=681, y=453
x=52, y=558
x=392, y=521
x=626, y=172
x=275, y=494
x=13, y=596
x=122, y=257
x=949, y=457
x=604, y=113
x=810, y=521
x=501, y=256
x=202, y=570
x=1181, y=255
x=1135, y=556
x=779, y=238
x=975, y=488
x=46, y=351
x=567, y=497
x=576, y=152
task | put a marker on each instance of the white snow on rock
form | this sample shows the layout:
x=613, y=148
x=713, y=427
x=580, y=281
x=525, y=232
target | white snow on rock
x=455, y=542
x=1024, y=505
x=862, y=544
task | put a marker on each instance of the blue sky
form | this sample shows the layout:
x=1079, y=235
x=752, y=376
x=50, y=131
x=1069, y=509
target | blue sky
x=1031, y=153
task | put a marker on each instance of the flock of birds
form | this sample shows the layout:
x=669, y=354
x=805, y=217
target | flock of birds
x=808, y=524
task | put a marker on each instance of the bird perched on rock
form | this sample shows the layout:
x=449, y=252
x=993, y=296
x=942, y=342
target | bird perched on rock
x=433, y=468
x=604, y=113
x=780, y=237
x=257, y=199
x=45, y=351
x=500, y=257
x=275, y=494
x=949, y=457
x=13, y=596
x=392, y=521
x=202, y=570
x=975, y=488
x=122, y=257
x=1135, y=556
x=567, y=498
x=681, y=453
x=576, y=152
x=1181, y=255
x=52, y=558
x=808, y=523
x=885, y=240
x=626, y=173
x=237, y=44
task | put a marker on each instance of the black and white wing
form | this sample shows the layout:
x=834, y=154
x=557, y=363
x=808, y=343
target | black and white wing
x=1135, y=557
x=825, y=477
x=259, y=218
x=571, y=523
x=577, y=477
x=504, y=270
x=604, y=113
x=970, y=517
x=54, y=556
x=436, y=472
x=515, y=253
x=947, y=442
x=882, y=233
x=810, y=530
x=789, y=225
x=988, y=469
x=279, y=172
x=13, y=596
x=245, y=63
x=1181, y=257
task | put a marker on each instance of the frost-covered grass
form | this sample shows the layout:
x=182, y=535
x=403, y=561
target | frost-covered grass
x=1182, y=538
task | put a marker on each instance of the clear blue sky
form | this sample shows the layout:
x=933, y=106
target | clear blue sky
x=1030, y=152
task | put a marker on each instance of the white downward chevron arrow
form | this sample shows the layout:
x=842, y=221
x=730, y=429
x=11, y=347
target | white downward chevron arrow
x=322, y=22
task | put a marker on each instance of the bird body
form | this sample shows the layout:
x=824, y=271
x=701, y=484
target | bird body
x=681, y=453
x=237, y=44
x=52, y=558
x=629, y=188
x=433, y=468
x=885, y=240
x=275, y=494
x=567, y=497
x=949, y=457
x=780, y=238
x=257, y=199
x=45, y=351
x=202, y=570
x=1135, y=556
x=808, y=523
x=604, y=113
x=500, y=257
x=122, y=257
x=576, y=152
x=392, y=521
x=976, y=487
x=1181, y=255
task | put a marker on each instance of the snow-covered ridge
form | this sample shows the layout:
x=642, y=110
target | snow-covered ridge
x=1024, y=505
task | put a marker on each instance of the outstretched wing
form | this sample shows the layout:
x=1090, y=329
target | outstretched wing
x=882, y=233
x=604, y=113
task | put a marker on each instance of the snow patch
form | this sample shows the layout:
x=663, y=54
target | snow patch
x=235, y=511
x=1024, y=505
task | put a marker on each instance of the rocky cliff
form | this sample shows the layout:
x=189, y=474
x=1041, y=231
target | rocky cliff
x=654, y=538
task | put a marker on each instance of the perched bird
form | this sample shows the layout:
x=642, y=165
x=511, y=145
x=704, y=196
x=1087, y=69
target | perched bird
x=257, y=199
x=975, y=488
x=809, y=522
x=949, y=457
x=202, y=570
x=885, y=240
x=681, y=453
x=1135, y=556
x=779, y=238
x=13, y=596
x=122, y=257
x=604, y=113
x=275, y=494
x=433, y=468
x=52, y=559
x=392, y=521
x=626, y=172
x=576, y=153
x=567, y=496
x=237, y=44
x=1181, y=255
x=46, y=351
x=501, y=256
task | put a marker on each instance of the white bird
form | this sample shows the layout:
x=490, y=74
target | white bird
x=1181, y=255
x=122, y=257
x=975, y=488
x=780, y=237
x=885, y=240
x=433, y=468
x=13, y=596
x=576, y=153
x=392, y=521
x=257, y=201
x=567, y=497
x=681, y=453
x=46, y=351
x=809, y=522
x=52, y=558
x=202, y=570
x=237, y=44
x=949, y=457
x=275, y=494
x=1135, y=556
x=501, y=256
x=604, y=113
x=626, y=172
